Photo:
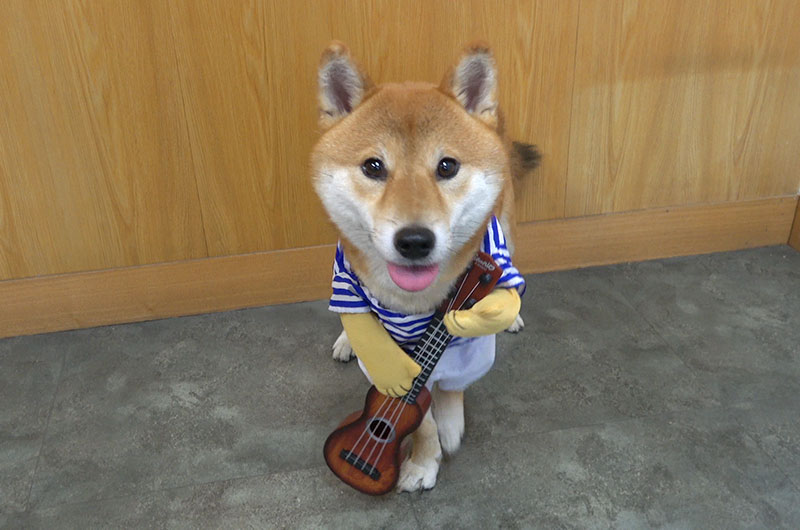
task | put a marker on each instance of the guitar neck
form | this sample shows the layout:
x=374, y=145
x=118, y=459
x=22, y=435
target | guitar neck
x=474, y=284
x=428, y=351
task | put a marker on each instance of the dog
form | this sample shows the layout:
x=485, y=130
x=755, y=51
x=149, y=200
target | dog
x=416, y=178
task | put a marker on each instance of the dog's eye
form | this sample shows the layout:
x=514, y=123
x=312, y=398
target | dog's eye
x=447, y=168
x=373, y=168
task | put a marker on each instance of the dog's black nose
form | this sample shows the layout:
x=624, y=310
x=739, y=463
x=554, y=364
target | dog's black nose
x=414, y=242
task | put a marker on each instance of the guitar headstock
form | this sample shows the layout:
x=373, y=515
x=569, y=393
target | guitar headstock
x=479, y=280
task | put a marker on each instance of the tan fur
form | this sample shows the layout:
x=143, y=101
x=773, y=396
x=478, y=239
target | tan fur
x=411, y=126
x=410, y=122
x=419, y=470
x=448, y=411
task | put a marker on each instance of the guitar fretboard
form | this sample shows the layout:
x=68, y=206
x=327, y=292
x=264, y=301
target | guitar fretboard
x=428, y=351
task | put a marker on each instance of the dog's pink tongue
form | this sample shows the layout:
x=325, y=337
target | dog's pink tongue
x=413, y=278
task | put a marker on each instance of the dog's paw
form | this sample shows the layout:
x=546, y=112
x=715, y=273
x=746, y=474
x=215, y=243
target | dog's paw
x=341, y=349
x=517, y=325
x=414, y=477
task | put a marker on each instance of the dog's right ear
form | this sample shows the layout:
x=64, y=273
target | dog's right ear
x=342, y=84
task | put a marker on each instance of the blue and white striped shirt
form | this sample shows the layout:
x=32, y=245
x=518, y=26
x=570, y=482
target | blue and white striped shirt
x=351, y=296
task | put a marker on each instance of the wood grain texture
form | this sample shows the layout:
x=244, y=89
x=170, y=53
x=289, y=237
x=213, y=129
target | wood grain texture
x=652, y=234
x=95, y=170
x=794, y=236
x=215, y=284
x=386, y=458
x=187, y=134
x=133, y=294
x=683, y=102
x=248, y=76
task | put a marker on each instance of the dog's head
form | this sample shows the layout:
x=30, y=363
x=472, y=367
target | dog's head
x=409, y=173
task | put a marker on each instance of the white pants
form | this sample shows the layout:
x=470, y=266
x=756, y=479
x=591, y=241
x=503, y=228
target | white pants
x=461, y=364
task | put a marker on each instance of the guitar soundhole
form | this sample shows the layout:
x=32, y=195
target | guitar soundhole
x=381, y=430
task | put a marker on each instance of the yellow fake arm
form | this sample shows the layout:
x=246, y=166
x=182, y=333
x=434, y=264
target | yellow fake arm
x=392, y=371
x=491, y=315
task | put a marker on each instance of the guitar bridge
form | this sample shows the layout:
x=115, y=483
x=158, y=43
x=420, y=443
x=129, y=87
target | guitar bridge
x=361, y=465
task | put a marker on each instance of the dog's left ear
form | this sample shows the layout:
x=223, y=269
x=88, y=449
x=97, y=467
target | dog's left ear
x=473, y=83
x=342, y=84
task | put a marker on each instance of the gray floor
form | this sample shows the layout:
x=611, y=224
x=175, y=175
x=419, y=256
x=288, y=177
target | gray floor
x=659, y=394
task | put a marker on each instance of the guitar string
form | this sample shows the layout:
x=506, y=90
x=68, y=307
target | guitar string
x=394, y=415
x=442, y=340
x=388, y=399
x=428, y=361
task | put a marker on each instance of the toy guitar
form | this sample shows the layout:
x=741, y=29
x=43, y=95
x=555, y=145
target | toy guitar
x=364, y=452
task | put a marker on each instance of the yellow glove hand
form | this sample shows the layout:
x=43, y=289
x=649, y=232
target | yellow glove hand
x=491, y=315
x=392, y=371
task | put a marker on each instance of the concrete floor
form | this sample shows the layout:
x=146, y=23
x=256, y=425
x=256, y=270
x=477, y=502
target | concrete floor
x=659, y=394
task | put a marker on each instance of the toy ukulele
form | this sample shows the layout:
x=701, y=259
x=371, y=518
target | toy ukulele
x=364, y=452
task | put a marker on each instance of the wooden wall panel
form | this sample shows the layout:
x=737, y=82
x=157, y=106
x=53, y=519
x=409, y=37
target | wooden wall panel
x=95, y=170
x=651, y=234
x=150, y=131
x=69, y=301
x=250, y=124
x=248, y=77
x=534, y=44
x=683, y=101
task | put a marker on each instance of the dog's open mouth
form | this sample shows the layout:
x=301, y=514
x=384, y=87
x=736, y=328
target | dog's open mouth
x=413, y=277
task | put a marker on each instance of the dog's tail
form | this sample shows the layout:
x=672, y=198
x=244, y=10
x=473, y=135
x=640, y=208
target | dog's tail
x=524, y=159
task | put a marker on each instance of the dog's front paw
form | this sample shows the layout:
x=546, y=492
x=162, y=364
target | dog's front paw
x=341, y=349
x=517, y=325
x=414, y=477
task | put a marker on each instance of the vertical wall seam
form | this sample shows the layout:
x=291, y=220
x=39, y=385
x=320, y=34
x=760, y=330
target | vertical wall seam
x=571, y=109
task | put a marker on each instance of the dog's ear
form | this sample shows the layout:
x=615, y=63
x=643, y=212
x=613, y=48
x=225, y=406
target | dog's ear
x=473, y=82
x=342, y=84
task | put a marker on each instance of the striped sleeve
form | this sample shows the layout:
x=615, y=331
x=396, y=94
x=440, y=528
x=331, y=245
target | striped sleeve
x=348, y=295
x=494, y=244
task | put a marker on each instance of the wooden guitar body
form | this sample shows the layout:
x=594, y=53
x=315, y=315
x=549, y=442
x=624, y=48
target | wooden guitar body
x=376, y=433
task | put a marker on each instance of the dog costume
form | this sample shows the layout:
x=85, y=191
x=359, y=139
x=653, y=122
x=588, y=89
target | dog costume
x=466, y=359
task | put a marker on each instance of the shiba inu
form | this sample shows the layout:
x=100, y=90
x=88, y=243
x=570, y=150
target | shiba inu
x=417, y=178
